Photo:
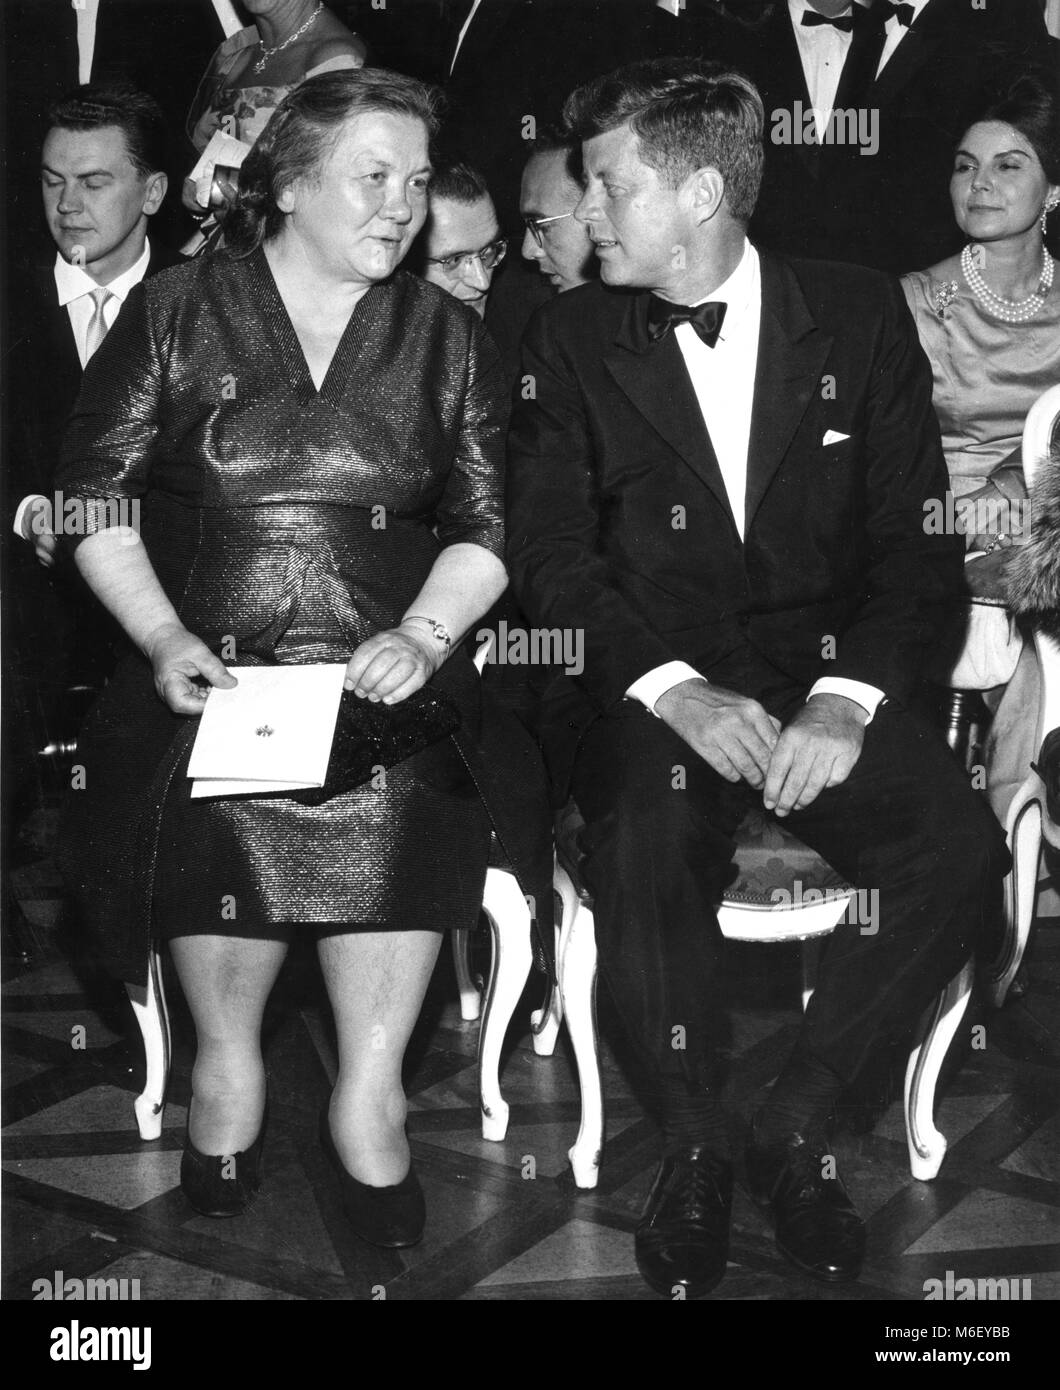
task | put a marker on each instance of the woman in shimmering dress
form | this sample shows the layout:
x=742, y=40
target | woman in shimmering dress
x=315, y=439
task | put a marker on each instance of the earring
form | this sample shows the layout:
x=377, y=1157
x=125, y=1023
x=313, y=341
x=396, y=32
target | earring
x=1050, y=204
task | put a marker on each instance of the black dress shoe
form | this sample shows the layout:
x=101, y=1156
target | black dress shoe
x=816, y=1225
x=683, y=1237
x=393, y=1217
x=222, y=1184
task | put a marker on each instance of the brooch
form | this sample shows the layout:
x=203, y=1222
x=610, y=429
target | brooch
x=944, y=295
x=264, y=731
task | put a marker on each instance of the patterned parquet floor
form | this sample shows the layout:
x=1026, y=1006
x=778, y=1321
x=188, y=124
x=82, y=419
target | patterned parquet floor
x=84, y=1196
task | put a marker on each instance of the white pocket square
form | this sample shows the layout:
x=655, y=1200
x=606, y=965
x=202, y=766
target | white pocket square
x=834, y=437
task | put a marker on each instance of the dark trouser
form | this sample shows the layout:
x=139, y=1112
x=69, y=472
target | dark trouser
x=905, y=822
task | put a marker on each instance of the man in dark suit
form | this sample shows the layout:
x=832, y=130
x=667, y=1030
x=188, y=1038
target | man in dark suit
x=102, y=181
x=49, y=46
x=726, y=502
x=814, y=62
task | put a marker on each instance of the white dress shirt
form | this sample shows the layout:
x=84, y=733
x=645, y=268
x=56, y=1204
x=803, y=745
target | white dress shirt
x=86, y=12
x=73, y=288
x=823, y=49
x=723, y=378
x=895, y=33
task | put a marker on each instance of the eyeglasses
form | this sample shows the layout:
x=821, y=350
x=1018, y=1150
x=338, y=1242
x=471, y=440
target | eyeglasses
x=534, y=225
x=487, y=256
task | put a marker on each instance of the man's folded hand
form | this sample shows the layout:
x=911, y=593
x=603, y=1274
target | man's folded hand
x=732, y=733
x=818, y=749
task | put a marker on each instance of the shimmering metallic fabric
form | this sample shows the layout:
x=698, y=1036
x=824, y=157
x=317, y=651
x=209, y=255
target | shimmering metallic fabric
x=295, y=523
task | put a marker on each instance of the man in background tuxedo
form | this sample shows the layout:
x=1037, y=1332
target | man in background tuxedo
x=719, y=482
x=814, y=62
x=102, y=180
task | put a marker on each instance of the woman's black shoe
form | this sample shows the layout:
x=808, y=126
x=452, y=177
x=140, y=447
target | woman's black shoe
x=222, y=1184
x=393, y=1217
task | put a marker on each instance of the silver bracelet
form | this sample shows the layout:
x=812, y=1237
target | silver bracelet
x=439, y=629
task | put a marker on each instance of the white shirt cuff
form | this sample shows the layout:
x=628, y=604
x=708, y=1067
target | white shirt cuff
x=867, y=696
x=20, y=514
x=651, y=687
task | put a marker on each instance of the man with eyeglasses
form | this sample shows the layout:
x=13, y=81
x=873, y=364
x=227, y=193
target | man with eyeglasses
x=550, y=192
x=461, y=245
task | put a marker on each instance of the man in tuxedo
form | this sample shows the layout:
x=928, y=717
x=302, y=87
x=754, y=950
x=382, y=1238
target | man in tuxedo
x=102, y=181
x=814, y=62
x=726, y=502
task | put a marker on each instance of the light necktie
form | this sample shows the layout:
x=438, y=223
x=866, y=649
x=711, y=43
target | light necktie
x=97, y=324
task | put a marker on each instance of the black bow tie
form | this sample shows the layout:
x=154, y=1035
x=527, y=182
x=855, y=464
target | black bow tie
x=844, y=22
x=904, y=14
x=706, y=319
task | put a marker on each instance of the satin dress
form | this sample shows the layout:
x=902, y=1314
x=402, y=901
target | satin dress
x=291, y=523
x=988, y=374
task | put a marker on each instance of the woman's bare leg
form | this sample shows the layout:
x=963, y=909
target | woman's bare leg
x=227, y=981
x=376, y=982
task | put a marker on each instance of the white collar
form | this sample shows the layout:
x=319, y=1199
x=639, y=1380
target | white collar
x=737, y=290
x=73, y=281
x=799, y=7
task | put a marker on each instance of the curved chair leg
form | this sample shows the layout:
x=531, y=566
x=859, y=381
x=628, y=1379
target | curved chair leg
x=149, y=1006
x=927, y=1145
x=577, y=983
x=544, y=1022
x=1024, y=826
x=509, y=918
x=469, y=997
x=810, y=955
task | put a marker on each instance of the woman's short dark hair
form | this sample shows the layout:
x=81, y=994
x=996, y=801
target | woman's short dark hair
x=688, y=114
x=137, y=115
x=1029, y=106
x=303, y=131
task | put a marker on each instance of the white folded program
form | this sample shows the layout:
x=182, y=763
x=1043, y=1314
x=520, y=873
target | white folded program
x=271, y=732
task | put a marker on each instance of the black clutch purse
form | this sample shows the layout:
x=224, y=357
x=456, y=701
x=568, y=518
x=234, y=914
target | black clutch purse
x=370, y=735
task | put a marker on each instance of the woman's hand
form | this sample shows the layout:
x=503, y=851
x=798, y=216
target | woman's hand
x=176, y=658
x=189, y=197
x=392, y=665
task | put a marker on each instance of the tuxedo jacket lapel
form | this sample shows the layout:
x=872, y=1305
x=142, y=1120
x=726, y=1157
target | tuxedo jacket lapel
x=655, y=379
x=482, y=32
x=792, y=353
x=863, y=56
x=785, y=62
x=905, y=62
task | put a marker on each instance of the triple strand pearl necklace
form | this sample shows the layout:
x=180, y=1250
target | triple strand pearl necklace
x=267, y=53
x=1009, y=310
